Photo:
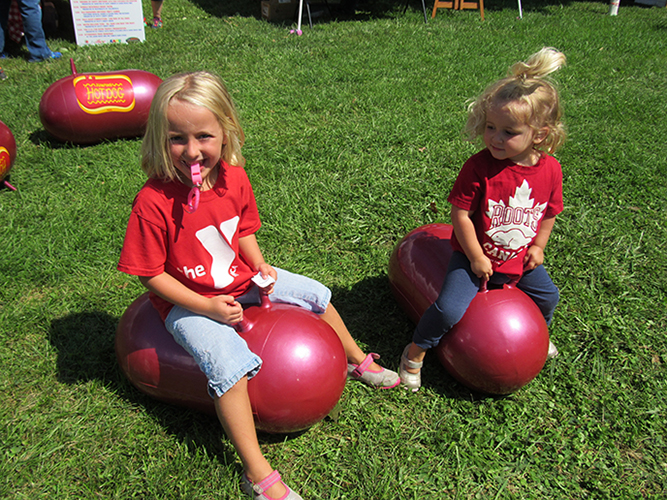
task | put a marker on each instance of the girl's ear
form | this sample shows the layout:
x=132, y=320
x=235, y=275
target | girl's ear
x=540, y=135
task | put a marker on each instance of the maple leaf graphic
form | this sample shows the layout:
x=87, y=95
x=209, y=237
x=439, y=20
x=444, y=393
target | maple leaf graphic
x=511, y=226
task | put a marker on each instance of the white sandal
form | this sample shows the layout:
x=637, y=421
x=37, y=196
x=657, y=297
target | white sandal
x=411, y=381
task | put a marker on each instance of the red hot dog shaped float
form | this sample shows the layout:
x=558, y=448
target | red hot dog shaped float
x=7, y=153
x=85, y=108
x=301, y=379
x=500, y=344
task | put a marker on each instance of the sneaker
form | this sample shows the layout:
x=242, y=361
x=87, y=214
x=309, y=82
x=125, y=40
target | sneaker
x=256, y=490
x=3, y=75
x=384, y=379
x=49, y=56
x=157, y=23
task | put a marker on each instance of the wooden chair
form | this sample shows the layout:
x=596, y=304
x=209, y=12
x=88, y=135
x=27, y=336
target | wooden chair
x=458, y=5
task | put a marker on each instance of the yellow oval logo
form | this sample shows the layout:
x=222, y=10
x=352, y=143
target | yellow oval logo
x=104, y=93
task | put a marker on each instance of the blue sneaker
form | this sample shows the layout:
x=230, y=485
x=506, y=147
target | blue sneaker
x=50, y=55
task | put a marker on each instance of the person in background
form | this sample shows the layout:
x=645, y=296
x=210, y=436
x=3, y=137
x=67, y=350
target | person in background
x=35, y=39
x=156, y=5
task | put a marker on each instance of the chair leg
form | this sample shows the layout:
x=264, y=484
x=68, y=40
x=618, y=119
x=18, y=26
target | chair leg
x=440, y=4
x=310, y=18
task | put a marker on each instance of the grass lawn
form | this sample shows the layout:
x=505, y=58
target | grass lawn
x=353, y=139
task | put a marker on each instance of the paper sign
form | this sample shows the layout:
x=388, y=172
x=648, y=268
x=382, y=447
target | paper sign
x=107, y=21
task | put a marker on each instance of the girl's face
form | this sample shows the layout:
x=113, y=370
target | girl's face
x=506, y=137
x=195, y=136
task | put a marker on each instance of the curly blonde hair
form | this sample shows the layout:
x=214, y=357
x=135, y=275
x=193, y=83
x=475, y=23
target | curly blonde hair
x=533, y=97
x=199, y=89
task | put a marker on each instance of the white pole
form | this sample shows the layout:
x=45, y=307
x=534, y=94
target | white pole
x=298, y=23
x=520, y=10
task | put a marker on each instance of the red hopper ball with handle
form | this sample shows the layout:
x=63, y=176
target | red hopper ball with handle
x=302, y=377
x=500, y=344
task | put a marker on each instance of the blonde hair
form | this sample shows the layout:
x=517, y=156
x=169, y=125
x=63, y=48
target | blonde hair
x=534, y=99
x=199, y=89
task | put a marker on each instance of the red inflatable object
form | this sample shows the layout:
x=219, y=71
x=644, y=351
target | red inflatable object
x=418, y=266
x=300, y=382
x=85, y=108
x=500, y=344
x=7, y=153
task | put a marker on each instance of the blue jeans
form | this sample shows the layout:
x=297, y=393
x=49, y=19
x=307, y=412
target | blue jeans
x=219, y=351
x=460, y=287
x=31, y=15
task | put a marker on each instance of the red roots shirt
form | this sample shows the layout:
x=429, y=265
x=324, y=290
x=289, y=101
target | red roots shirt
x=509, y=202
x=201, y=250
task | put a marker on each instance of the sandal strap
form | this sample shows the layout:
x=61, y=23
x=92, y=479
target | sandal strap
x=408, y=363
x=363, y=366
x=267, y=482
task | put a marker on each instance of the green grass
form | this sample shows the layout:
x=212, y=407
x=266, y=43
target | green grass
x=353, y=134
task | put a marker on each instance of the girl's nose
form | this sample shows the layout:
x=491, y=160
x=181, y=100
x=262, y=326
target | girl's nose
x=191, y=150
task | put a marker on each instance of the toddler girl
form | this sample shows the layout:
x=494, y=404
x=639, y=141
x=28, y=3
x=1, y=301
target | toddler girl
x=191, y=240
x=504, y=203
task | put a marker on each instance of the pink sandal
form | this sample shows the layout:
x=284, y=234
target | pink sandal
x=256, y=490
x=384, y=379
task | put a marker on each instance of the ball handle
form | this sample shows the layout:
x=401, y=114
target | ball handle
x=484, y=284
x=246, y=325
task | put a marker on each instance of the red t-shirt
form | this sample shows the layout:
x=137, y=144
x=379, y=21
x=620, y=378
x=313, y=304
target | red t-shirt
x=509, y=202
x=201, y=250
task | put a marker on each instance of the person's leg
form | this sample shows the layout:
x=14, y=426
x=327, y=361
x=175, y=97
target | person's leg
x=156, y=6
x=223, y=356
x=4, y=17
x=312, y=295
x=35, y=40
x=460, y=287
x=296, y=289
x=537, y=284
x=235, y=415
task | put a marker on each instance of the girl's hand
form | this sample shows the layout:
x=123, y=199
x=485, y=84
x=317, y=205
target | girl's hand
x=482, y=267
x=225, y=309
x=266, y=270
x=534, y=257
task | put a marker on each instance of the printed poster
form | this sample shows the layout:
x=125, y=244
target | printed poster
x=107, y=21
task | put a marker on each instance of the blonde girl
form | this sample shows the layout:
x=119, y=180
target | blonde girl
x=504, y=203
x=191, y=240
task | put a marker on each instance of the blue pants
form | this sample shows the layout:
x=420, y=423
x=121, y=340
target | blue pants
x=31, y=15
x=460, y=287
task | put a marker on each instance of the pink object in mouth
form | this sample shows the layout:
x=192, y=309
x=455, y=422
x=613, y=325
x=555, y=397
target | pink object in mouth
x=193, y=195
